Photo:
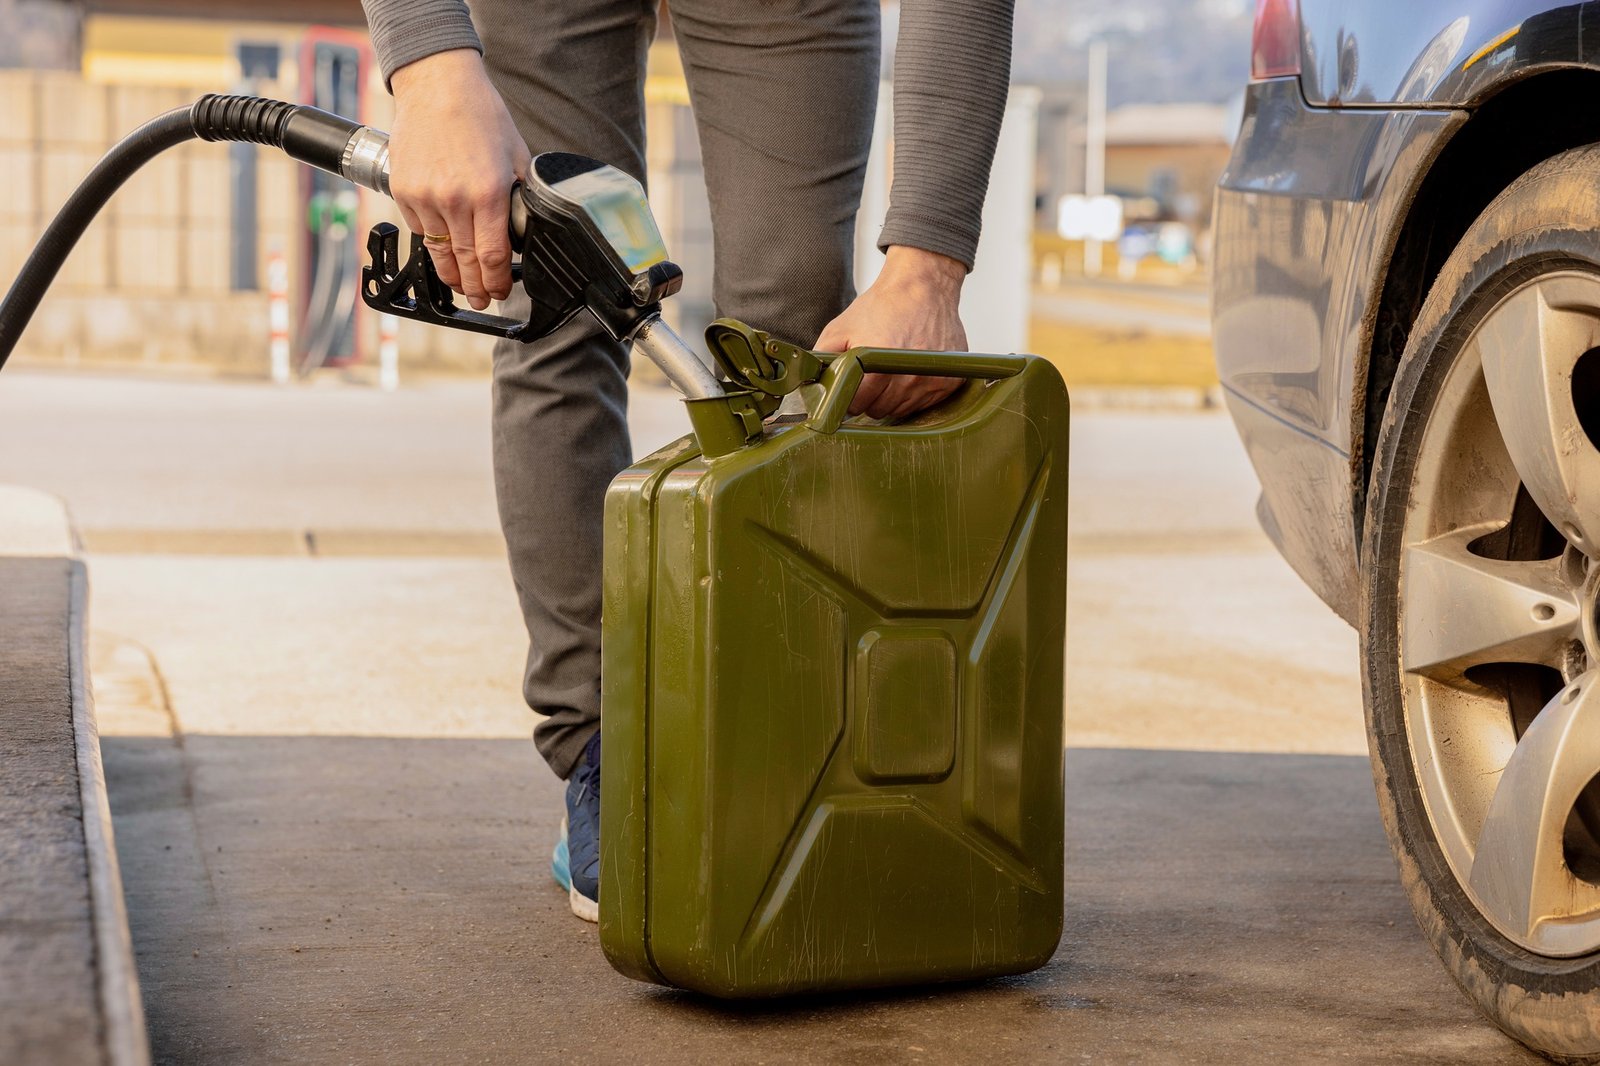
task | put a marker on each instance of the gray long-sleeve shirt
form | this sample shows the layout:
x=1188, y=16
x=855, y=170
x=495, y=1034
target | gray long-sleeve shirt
x=952, y=69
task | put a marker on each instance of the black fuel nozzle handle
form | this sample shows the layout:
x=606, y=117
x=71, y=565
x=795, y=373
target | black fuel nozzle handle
x=414, y=290
x=566, y=264
x=360, y=154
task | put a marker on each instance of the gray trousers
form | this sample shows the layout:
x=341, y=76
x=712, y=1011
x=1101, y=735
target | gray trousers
x=784, y=94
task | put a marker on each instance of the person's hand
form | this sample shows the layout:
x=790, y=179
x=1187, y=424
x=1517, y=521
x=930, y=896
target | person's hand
x=914, y=303
x=453, y=155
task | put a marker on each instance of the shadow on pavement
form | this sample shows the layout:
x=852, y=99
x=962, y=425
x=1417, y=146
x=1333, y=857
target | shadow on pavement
x=335, y=899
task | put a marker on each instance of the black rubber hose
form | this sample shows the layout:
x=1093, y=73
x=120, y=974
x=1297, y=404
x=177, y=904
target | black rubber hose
x=304, y=133
x=114, y=168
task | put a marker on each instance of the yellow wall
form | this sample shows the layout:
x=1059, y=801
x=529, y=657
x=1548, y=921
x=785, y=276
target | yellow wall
x=126, y=50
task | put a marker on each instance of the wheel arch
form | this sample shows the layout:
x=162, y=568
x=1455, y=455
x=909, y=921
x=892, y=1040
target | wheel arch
x=1509, y=132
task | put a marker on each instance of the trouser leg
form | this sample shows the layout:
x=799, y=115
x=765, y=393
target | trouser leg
x=571, y=73
x=784, y=94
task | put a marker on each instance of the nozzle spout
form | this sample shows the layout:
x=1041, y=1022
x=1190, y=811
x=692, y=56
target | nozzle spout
x=686, y=370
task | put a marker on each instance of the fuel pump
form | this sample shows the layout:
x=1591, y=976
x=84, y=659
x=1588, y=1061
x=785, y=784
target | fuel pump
x=331, y=71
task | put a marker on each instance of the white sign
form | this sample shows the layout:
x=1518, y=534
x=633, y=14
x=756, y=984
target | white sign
x=1089, y=218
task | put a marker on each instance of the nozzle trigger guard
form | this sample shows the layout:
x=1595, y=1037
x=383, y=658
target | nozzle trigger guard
x=416, y=291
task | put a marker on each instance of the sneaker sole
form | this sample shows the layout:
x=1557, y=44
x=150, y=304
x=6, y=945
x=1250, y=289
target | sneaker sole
x=583, y=906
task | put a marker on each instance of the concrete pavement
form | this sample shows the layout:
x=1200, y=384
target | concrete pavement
x=334, y=830
x=383, y=900
x=177, y=462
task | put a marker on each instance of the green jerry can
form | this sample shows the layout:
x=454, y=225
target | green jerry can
x=832, y=681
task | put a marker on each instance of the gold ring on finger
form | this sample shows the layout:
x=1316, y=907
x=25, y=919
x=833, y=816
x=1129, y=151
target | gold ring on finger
x=436, y=238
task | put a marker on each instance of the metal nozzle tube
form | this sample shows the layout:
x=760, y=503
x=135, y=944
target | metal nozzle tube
x=676, y=359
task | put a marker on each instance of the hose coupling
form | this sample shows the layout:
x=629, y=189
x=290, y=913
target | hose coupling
x=365, y=160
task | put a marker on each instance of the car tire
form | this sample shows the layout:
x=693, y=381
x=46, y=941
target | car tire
x=1542, y=231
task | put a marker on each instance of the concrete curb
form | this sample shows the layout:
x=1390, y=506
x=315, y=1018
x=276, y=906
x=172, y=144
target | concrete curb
x=35, y=526
x=126, y=1041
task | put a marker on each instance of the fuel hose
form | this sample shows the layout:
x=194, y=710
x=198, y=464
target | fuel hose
x=307, y=134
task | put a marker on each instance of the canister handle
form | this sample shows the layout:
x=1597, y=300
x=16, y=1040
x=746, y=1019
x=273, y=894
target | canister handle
x=843, y=375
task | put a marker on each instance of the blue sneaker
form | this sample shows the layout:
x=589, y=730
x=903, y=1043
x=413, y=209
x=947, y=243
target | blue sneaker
x=575, y=863
x=560, y=866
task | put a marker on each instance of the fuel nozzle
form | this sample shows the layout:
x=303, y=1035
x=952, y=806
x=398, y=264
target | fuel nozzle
x=583, y=228
x=587, y=243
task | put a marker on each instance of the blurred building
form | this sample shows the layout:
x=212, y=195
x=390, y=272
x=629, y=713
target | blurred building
x=40, y=33
x=1169, y=155
x=1162, y=160
x=177, y=267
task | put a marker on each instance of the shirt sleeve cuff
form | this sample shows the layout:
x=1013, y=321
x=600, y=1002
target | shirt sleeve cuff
x=403, y=33
x=932, y=235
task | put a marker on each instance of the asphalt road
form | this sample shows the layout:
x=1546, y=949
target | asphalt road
x=334, y=830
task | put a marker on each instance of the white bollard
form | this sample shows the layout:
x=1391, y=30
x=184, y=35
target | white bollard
x=278, y=313
x=388, y=353
x=1050, y=271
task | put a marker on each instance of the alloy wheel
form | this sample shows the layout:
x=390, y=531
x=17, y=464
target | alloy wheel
x=1499, y=594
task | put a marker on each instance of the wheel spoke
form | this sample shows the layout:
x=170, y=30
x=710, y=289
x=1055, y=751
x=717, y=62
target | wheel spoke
x=1529, y=346
x=1462, y=610
x=1519, y=872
